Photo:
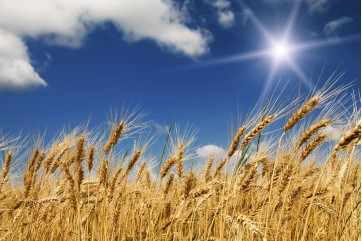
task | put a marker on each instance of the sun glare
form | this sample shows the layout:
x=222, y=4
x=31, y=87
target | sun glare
x=280, y=51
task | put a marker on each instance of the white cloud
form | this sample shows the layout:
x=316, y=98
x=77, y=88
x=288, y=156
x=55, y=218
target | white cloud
x=15, y=68
x=333, y=28
x=221, y=4
x=219, y=153
x=333, y=133
x=226, y=18
x=319, y=6
x=67, y=22
x=209, y=151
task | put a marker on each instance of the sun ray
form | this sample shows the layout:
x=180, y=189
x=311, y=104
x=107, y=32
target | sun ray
x=305, y=80
x=291, y=20
x=258, y=24
x=235, y=58
x=279, y=49
x=268, y=83
x=324, y=43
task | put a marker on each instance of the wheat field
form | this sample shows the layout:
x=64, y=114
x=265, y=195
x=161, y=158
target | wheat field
x=277, y=182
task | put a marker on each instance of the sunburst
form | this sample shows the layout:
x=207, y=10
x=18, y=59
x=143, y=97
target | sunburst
x=281, y=49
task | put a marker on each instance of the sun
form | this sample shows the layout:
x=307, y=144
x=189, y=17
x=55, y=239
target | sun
x=280, y=48
x=280, y=51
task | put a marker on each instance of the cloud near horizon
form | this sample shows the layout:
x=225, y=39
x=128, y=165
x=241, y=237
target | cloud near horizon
x=207, y=151
x=67, y=22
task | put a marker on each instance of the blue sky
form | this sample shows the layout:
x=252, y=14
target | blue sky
x=63, y=62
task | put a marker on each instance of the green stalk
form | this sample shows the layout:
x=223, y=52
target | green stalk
x=164, y=148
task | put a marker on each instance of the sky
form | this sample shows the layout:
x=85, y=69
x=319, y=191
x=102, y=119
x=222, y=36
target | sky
x=201, y=63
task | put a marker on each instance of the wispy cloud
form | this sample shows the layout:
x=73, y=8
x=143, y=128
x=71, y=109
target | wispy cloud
x=161, y=129
x=277, y=1
x=319, y=6
x=333, y=28
x=221, y=4
x=225, y=16
x=219, y=153
x=245, y=15
x=314, y=6
x=67, y=22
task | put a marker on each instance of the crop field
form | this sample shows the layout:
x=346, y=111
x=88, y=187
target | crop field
x=292, y=172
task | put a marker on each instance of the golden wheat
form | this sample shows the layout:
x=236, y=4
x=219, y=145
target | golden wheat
x=274, y=195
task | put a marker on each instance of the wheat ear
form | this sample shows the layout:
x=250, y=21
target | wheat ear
x=312, y=130
x=90, y=159
x=296, y=117
x=190, y=182
x=165, y=169
x=57, y=161
x=168, y=183
x=113, y=140
x=113, y=183
x=301, y=113
x=179, y=158
x=347, y=138
x=218, y=169
x=235, y=142
x=72, y=197
x=133, y=161
x=256, y=130
x=140, y=171
x=78, y=158
x=208, y=170
x=6, y=168
x=310, y=147
x=48, y=160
